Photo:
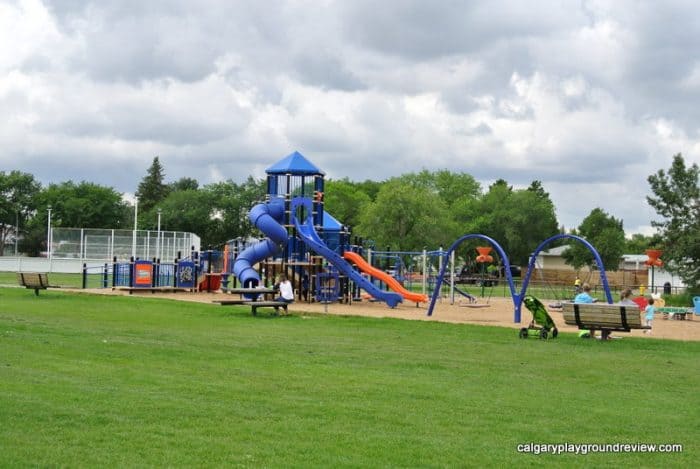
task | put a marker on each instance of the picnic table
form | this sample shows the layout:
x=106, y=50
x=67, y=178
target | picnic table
x=255, y=298
x=676, y=312
x=251, y=293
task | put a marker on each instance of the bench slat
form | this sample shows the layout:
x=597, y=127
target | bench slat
x=631, y=320
x=602, y=316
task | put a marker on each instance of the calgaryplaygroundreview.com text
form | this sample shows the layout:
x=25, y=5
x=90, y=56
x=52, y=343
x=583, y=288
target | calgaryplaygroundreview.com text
x=588, y=448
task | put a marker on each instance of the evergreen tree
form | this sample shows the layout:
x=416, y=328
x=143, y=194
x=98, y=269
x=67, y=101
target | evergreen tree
x=152, y=190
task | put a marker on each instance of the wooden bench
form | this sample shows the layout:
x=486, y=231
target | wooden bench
x=34, y=280
x=603, y=316
x=254, y=305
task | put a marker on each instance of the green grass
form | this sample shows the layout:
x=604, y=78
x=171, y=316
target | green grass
x=122, y=381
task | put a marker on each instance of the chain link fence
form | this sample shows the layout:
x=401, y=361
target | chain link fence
x=101, y=244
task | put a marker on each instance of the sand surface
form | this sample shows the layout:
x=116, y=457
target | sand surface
x=497, y=312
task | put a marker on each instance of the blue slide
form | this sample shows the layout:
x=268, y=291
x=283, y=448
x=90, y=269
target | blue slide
x=267, y=218
x=307, y=233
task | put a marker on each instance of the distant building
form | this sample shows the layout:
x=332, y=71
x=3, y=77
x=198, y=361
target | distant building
x=633, y=272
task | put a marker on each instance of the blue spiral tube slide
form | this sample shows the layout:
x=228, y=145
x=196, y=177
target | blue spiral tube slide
x=267, y=218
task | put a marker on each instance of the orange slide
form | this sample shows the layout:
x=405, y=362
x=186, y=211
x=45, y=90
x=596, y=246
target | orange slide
x=384, y=277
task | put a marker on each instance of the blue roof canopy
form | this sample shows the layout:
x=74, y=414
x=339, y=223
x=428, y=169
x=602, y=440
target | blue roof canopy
x=294, y=163
x=330, y=223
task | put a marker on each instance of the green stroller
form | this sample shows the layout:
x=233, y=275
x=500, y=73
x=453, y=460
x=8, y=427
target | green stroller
x=542, y=324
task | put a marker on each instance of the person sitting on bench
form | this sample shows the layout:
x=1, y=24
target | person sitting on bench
x=626, y=297
x=285, y=288
x=585, y=297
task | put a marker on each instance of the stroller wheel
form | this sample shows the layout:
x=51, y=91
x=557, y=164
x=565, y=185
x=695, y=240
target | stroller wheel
x=543, y=333
x=523, y=333
x=555, y=333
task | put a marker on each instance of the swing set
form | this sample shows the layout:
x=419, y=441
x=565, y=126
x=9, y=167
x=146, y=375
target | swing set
x=482, y=259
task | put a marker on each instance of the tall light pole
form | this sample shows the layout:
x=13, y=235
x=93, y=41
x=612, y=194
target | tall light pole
x=16, y=230
x=158, y=238
x=136, y=222
x=48, y=235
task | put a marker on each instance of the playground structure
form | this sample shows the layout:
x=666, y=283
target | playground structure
x=313, y=250
x=288, y=246
x=308, y=244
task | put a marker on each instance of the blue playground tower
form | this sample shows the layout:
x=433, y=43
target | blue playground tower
x=281, y=250
x=302, y=240
x=295, y=176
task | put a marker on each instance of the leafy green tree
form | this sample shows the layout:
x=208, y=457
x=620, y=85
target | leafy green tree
x=406, y=218
x=83, y=205
x=184, y=184
x=677, y=200
x=191, y=211
x=17, y=203
x=638, y=243
x=231, y=203
x=152, y=189
x=345, y=200
x=531, y=219
x=517, y=219
x=493, y=212
x=148, y=216
x=606, y=234
x=216, y=212
x=371, y=188
x=450, y=187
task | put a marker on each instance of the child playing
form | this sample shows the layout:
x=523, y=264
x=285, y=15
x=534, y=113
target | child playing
x=285, y=289
x=649, y=317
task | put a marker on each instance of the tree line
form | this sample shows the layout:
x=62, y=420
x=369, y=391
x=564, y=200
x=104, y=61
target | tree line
x=411, y=212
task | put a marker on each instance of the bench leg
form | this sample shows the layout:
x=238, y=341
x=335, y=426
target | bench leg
x=36, y=292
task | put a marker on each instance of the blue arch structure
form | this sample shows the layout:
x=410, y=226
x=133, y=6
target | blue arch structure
x=449, y=252
x=543, y=244
x=518, y=297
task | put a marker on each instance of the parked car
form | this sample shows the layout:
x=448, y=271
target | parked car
x=467, y=276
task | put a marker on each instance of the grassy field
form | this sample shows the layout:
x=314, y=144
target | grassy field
x=119, y=381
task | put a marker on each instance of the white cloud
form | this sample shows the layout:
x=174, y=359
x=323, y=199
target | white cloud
x=579, y=96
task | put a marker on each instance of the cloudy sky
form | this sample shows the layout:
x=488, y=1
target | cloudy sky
x=590, y=97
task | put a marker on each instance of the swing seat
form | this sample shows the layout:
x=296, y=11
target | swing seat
x=474, y=305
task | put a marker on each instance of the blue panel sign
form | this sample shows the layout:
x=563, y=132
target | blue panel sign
x=185, y=274
x=143, y=274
